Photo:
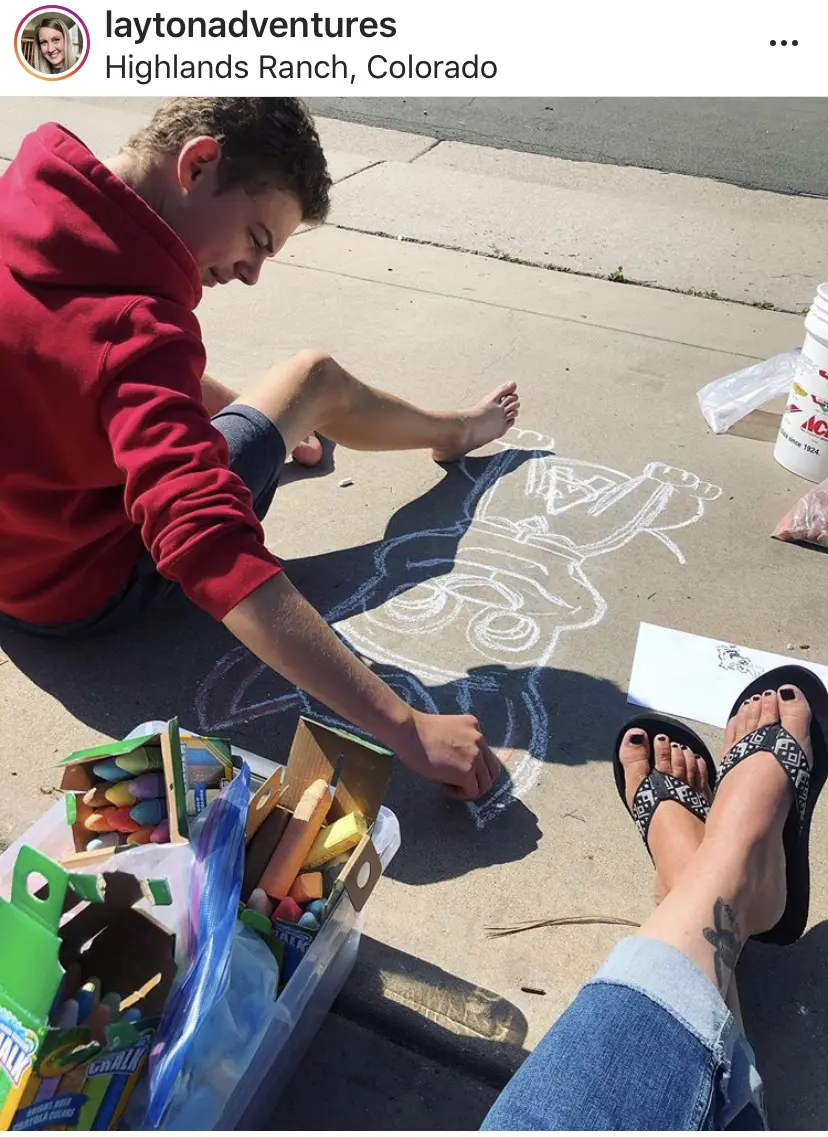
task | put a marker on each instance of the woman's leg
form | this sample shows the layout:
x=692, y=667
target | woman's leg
x=650, y=1043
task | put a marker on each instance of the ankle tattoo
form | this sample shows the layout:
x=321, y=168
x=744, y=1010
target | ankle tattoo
x=725, y=939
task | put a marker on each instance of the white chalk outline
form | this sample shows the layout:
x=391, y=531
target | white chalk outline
x=498, y=556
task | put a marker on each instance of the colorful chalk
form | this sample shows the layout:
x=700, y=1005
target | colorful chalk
x=105, y=841
x=147, y=786
x=306, y=887
x=98, y=1020
x=122, y=820
x=67, y=1016
x=87, y=999
x=110, y=771
x=128, y=765
x=288, y=911
x=141, y=836
x=149, y=812
x=292, y=850
x=99, y=822
x=317, y=909
x=161, y=833
x=309, y=921
x=119, y=794
x=133, y=1015
x=259, y=901
x=96, y=797
x=336, y=839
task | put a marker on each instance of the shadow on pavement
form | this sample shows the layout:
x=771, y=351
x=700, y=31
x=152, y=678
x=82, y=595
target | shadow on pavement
x=408, y=1047
x=183, y=663
x=784, y=993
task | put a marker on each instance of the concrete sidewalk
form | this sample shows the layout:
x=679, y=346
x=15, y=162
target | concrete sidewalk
x=610, y=373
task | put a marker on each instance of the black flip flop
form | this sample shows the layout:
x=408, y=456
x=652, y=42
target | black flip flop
x=658, y=787
x=807, y=786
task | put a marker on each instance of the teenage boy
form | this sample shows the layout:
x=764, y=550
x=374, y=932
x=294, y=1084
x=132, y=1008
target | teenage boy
x=125, y=471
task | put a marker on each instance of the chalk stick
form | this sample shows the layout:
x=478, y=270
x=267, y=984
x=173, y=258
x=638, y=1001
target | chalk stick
x=120, y=820
x=98, y=1020
x=149, y=812
x=336, y=839
x=87, y=999
x=68, y=986
x=133, y=1015
x=260, y=902
x=105, y=841
x=119, y=794
x=288, y=911
x=147, y=786
x=99, y=822
x=295, y=845
x=141, y=836
x=140, y=761
x=96, y=797
x=161, y=833
x=67, y=1016
x=306, y=887
x=309, y=921
x=317, y=909
x=261, y=847
x=108, y=771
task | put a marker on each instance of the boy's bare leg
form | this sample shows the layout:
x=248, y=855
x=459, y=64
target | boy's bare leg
x=312, y=392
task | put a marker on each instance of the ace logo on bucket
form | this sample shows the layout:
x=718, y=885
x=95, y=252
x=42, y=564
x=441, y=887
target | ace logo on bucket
x=817, y=427
x=51, y=43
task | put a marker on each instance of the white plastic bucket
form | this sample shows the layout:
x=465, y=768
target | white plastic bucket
x=802, y=443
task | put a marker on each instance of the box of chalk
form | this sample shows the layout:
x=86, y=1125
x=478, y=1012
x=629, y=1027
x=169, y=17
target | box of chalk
x=126, y=793
x=84, y=975
x=309, y=837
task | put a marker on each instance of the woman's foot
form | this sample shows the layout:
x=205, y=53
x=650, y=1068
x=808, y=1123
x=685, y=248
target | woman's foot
x=308, y=452
x=483, y=423
x=675, y=833
x=754, y=800
x=734, y=887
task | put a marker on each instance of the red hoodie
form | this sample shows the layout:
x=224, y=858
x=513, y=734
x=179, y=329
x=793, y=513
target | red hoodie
x=105, y=440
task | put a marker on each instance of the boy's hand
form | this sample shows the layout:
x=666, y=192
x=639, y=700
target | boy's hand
x=449, y=749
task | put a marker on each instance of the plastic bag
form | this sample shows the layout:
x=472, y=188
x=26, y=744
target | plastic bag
x=228, y=1037
x=214, y=901
x=808, y=520
x=725, y=401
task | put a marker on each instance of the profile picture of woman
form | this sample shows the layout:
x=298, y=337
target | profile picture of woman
x=52, y=43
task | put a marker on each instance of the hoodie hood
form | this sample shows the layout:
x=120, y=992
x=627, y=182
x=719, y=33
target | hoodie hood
x=65, y=220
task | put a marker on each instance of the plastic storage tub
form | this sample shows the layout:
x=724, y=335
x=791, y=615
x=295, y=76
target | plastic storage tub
x=312, y=989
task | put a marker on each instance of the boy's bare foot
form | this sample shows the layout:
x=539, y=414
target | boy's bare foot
x=674, y=834
x=308, y=452
x=483, y=423
x=753, y=802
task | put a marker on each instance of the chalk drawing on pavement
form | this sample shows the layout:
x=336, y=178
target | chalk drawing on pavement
x=459, y=608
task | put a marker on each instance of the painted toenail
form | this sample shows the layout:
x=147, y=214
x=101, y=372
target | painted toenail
x=787, y=693
x=746, y=703
x=755, y=698
x=768, y=693
x=674, y=745
x=638, y=739
x=661, y=738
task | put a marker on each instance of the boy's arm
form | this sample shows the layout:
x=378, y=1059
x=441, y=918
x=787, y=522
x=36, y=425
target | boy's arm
x=215, y=395
x=285, y=632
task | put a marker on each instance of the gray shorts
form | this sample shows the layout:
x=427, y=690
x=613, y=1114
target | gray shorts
x=257, y=455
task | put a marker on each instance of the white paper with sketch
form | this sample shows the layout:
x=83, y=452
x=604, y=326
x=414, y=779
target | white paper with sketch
x=695, y=677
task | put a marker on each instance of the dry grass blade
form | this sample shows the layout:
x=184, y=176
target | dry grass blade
x=528, y=926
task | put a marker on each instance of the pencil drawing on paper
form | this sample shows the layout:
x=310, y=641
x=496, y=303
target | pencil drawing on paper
x=732, y=658
x=466, y=617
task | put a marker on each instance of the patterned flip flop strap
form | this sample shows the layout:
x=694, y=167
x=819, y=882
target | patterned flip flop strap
x=776, y=740
x=658, y=787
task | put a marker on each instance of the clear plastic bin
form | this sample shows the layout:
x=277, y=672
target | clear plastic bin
x=312, y=989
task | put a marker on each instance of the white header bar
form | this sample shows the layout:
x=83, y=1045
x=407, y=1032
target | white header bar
x=414, y=48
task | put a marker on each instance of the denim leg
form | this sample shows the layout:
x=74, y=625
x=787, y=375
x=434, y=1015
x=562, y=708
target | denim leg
x=647, y=1044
